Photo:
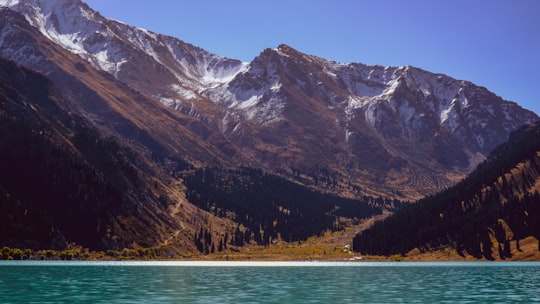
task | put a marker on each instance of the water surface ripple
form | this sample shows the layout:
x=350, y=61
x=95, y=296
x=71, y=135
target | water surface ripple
x=267, y=282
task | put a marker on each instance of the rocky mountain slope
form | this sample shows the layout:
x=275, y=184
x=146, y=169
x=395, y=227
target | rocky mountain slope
x=379, y=128
x=401, y=127
x=62, y=181
x=486, y=215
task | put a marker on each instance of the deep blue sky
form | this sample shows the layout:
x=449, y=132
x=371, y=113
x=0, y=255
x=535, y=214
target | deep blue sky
x=493, y=43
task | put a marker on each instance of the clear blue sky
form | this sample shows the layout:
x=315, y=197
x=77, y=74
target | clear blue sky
x=493, y=43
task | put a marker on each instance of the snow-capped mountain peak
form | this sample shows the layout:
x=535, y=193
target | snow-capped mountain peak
x=111, y=45
x=402, y=126
x=73, y=25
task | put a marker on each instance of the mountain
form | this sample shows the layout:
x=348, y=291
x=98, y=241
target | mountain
x=403, y=128
x=397, y=131
x=165, y=116
x=62, y=182
x=486, y=215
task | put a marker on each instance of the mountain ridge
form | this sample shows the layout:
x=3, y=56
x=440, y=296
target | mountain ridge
x=384, y=128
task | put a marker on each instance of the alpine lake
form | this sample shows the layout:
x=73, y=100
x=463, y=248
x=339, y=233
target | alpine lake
x=268, y=282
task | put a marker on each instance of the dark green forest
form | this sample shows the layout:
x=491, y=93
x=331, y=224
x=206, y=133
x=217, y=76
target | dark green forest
x=271, y=207
x=50, y=194
x=473, y=212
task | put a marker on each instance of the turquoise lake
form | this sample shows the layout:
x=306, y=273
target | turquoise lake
x=268, y=282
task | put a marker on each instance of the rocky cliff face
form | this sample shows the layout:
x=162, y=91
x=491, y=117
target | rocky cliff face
x=385, y=130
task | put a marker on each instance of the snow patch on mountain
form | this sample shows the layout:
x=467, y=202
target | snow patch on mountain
x=9, y=3
x=263, y=105
x=74, y=27
x=391, y=87
x=183, y=93
x=370, y=113
x=215, y=76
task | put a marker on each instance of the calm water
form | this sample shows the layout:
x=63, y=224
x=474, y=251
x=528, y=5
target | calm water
x=282, y=282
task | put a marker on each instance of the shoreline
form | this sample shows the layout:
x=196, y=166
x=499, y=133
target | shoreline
x=283, y=252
